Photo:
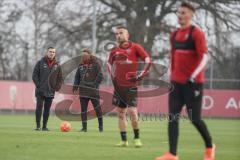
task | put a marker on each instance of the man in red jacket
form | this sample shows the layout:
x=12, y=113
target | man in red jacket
x=123, y=64
x=188, y=60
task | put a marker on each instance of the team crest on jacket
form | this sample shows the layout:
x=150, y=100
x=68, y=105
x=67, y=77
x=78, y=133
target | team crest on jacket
x=196, y=93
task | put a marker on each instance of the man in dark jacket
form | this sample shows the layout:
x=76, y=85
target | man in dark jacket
x=88, y=78
x=45, y=94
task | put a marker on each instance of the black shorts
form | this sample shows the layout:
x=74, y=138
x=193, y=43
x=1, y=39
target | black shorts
x=125, y=97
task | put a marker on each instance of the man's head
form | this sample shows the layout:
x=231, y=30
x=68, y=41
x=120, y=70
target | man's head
x=121, y=34
x=86, y=56
x=185, y=13
x=51, y=52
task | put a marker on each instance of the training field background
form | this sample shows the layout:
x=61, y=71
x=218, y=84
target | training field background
x=18, y=140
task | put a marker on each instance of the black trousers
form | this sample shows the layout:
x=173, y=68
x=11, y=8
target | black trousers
x=84, y=105
x=191, y=96
x=45, y=102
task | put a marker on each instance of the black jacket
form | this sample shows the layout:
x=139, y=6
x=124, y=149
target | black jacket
x=88, y=79
x=41, y=80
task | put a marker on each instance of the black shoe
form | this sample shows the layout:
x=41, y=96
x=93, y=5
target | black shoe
x=38, y=129
x=100, y=129
x=45, y=129
x=83, y=130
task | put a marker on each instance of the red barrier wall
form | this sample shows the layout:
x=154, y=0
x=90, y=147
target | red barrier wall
x=216, y=103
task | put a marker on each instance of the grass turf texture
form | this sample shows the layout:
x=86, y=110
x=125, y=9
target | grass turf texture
x=19, y=141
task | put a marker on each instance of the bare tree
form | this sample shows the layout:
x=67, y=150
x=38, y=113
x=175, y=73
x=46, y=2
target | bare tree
x=67, y=25
x=148, y=22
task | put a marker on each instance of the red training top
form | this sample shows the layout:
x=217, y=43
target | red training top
x=186, y=61
x=124, y=60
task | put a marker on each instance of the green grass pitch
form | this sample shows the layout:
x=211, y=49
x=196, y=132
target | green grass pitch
x=18, y=140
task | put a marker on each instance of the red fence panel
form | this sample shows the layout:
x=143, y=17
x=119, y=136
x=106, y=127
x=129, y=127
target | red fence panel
x=216, y=103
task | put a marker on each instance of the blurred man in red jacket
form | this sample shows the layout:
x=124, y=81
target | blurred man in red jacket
x=188, y=60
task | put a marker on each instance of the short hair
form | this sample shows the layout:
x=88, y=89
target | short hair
x=50, y=48
x=92, y=57
x=187, y=5
x=87, y=50
x=121, y=27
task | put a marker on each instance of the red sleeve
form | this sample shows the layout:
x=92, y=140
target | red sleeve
x=110, y=59
x=141, y=52
x=201, y=49
x=200, y=41
x=172, y=50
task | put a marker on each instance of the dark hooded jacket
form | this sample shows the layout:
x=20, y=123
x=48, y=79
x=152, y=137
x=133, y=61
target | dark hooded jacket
x=40, y=77
x=88, y=78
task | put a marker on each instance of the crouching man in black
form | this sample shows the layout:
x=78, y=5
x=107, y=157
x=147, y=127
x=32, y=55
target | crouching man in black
x=88, y=78
x=43, y=92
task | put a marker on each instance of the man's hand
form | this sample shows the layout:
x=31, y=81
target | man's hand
x=191, y=81
x=74, y=89
x=134, y=77
x=137, y=76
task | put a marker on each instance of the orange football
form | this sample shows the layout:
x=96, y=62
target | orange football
x=65, y=126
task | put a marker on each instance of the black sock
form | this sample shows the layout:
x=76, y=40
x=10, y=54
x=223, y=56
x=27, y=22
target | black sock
x=100, y=122
x=84, y=125
x=124, y=136
x=136, y=133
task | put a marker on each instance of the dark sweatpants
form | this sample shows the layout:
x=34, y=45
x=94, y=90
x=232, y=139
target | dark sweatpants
x=191, y=96
x=45, y=102
x=84, y=105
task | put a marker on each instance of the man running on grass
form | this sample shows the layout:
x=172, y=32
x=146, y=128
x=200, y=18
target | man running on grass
x=188, y=59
